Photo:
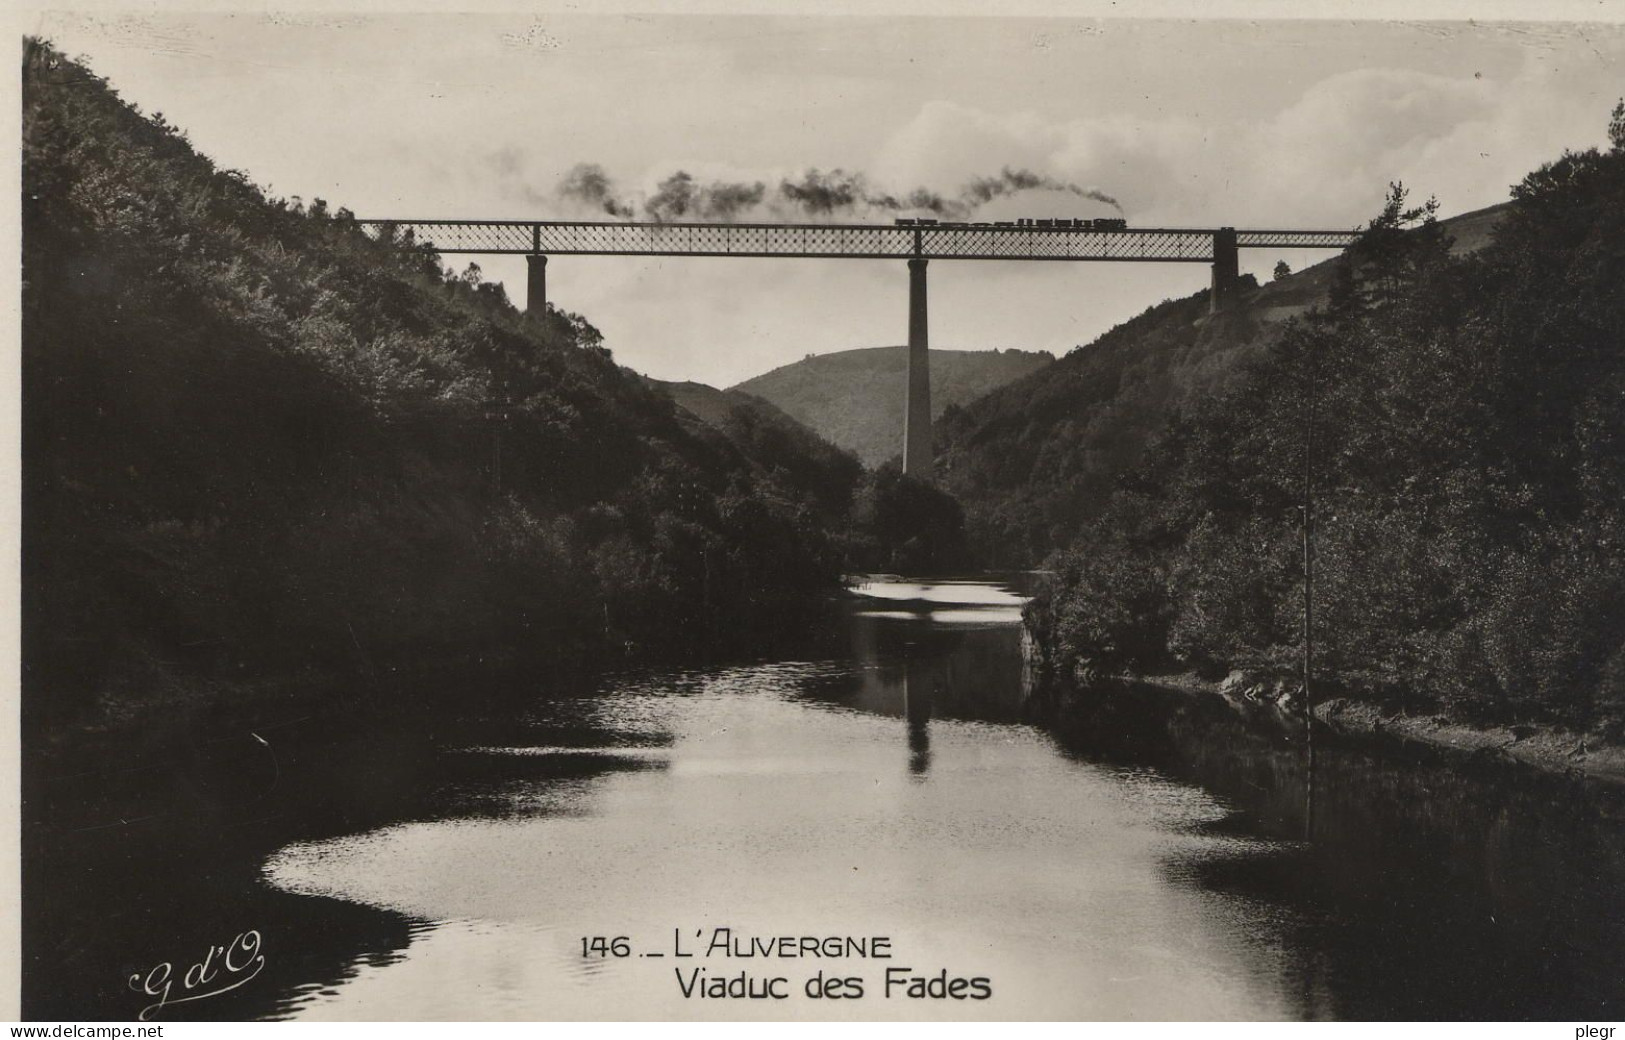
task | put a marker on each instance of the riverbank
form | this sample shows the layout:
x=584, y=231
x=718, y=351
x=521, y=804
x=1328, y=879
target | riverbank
x=157, y=710
x=1551, y=749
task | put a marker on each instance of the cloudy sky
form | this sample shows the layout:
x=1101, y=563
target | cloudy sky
x=1277, y=124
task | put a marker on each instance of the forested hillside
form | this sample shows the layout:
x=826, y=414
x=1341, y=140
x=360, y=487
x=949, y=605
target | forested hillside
x=854, y=398
x=716, y=407
x=1037, y=456
x=259, y=448
x=1453, y=427
x=775, y=442
x=896, y=523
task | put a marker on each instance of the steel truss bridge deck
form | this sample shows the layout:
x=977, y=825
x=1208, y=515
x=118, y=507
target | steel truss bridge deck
x=848, y=241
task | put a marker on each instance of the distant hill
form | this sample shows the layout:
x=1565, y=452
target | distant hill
x=1036, y=457
x=854, y=398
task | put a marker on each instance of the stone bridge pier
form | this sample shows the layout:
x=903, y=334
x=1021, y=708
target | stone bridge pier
x=536, y=284
x=1226, y=269
x=917, y=405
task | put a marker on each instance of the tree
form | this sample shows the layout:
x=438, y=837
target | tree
x=917, y=527
x=1282, y=269
x=1396, y=248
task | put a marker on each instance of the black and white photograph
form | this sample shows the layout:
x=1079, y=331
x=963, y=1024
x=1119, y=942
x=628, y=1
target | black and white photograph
x=918, y=513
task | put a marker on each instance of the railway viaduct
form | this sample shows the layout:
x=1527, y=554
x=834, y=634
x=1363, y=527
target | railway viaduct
x=917, y=242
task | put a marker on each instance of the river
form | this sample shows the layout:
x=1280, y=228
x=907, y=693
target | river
x=1140, y=855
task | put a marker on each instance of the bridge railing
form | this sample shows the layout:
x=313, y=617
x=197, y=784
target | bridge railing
x=854, y=241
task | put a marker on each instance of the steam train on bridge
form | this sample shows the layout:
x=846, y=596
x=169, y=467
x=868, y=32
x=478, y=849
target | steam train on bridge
x=1097, y=224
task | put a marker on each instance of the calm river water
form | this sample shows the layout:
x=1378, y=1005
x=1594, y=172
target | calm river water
x=1146, y=855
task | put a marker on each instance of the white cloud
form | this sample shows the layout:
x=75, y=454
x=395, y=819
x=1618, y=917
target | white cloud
x=1323, y=159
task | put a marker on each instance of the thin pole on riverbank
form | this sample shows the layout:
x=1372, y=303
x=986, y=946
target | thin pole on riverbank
x=1308, y=597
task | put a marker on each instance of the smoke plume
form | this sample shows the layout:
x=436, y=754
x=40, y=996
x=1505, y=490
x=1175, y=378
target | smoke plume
x=814, y=195
x=587, y=184
x=983, y=190
x=679, y=197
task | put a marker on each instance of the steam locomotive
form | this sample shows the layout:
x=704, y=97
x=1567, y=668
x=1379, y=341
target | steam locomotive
x=1097, y=224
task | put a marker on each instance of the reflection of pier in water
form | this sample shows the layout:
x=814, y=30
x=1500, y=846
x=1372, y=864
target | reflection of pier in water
x=919, y=691
x=943, y=651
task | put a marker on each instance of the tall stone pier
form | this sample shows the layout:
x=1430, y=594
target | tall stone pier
x=917, y=407
x=536, y=284
x=1226, y=269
